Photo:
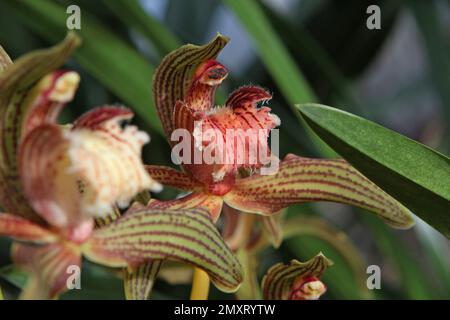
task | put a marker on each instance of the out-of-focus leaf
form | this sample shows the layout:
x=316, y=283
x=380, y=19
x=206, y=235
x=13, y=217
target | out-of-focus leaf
x=139, y=281
x=412, y=173
x=276, y=58
x=133, y=15
x=249, y=290
x=413, y=280
x=436, y=44
x=187, y=236
x=103, y=54
x=14, y=276
x=279, y=279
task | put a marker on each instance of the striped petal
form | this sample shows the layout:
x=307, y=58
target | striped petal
x=295, y=280
x=173, y=178
x=187, y=236
x=24, y=101
x=21, y=229
x=304, y=180
x=49, y=268
x=174, y=75
x=209, y=202
x=70, y=176
x=139, y=281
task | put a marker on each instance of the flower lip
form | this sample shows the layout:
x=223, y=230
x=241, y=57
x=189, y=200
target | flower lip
x=309, y=288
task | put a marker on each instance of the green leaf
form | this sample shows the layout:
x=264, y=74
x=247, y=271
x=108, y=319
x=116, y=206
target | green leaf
x=133, y=15
x=249, y=290
x=414, y=280
x=187, y=236
x=109, y=59
x=414, y=174
x=14, y=275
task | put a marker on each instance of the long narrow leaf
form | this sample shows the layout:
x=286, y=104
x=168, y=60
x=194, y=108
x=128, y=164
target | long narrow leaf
x=414, y=174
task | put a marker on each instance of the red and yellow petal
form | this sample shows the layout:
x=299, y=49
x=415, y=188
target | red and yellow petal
x=49, y=268
x=174, y=76
x=296, y=280
x=107, y=158
x=32, y=93
x=72, y=175
x=21, y=229
x=304, y=180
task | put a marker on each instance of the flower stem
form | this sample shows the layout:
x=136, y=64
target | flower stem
x=200, y=285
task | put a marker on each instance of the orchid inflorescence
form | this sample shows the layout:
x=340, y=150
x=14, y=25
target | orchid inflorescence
x=81, y=189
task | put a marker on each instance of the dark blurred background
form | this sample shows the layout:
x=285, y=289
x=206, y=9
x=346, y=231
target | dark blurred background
x=398, y=76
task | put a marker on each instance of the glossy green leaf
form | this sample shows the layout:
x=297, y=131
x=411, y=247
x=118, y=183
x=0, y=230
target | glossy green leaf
x=111, y=61
x=414, y=174
x=187, y=236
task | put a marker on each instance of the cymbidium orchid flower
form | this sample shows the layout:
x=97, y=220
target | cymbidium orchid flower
x=184, y=87
x=55, y=180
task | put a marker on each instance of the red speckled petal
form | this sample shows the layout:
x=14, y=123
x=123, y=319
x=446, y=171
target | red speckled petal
x=174, y=178
x=70, y=176
x=21, y=229
x=304, y=180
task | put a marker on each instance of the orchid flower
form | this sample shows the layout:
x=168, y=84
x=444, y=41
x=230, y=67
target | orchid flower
x=184, y=89
x=56, y=180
